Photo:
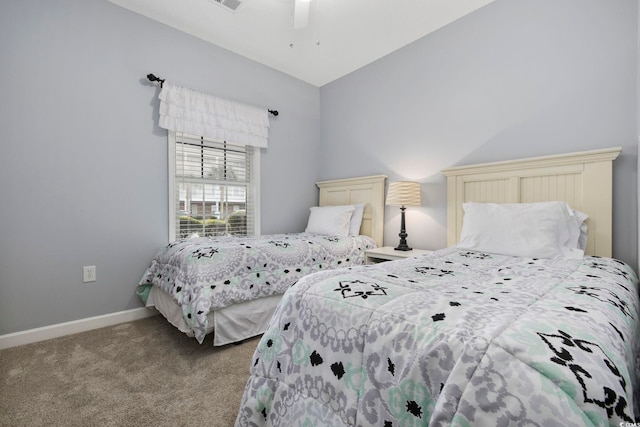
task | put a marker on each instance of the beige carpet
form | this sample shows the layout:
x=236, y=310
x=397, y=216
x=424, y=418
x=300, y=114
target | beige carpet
x=142, y=373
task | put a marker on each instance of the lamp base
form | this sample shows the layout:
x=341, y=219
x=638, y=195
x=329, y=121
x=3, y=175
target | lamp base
x=402, y=246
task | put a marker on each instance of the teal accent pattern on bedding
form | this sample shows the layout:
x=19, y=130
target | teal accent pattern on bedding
x=453, y=338
x=209, y=273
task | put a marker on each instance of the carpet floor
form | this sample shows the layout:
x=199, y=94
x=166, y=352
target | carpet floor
x=141, y=373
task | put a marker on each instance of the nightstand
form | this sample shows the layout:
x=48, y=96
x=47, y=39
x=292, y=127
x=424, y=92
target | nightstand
x=388, y=253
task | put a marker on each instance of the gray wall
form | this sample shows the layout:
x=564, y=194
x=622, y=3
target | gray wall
x=516, y=78
x=84, y=173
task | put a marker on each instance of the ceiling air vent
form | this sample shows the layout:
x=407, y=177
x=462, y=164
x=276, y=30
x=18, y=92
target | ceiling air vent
x=231, y=5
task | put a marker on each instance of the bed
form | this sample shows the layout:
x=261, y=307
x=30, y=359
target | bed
x=231, y=285
x=464, y=336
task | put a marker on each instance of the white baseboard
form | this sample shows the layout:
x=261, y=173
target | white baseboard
x=68, y=328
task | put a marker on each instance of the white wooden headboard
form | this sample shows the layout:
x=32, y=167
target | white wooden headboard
x=583, y=179
x=368, y=190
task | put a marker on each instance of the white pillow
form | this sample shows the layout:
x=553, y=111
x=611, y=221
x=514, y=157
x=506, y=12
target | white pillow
x=330, y=220
x=581, y=218
x=356, y=219
x=573, y=239
x=533, y=230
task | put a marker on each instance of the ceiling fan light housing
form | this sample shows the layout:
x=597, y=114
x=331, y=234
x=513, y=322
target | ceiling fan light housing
x=301, y=14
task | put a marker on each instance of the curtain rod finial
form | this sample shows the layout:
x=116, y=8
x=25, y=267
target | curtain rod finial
x=153, y=78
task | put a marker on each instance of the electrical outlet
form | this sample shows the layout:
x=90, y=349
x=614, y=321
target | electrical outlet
x=89, y=273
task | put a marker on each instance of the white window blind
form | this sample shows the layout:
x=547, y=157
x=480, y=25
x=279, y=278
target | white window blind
x=214, y=187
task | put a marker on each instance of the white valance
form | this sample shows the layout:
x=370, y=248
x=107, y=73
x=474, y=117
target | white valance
x=188, y=111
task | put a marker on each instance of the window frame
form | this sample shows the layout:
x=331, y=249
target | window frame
x=254, y=188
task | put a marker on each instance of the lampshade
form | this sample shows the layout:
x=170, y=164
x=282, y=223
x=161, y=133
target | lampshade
x=403, y=193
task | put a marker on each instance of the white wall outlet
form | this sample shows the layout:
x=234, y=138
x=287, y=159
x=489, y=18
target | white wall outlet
x=89, y=273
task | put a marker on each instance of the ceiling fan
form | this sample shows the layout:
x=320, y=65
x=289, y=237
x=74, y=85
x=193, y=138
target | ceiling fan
x=301, y=14
x=301, y=11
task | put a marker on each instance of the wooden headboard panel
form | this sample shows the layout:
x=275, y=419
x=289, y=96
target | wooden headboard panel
x=584, y=180
x=368, y=190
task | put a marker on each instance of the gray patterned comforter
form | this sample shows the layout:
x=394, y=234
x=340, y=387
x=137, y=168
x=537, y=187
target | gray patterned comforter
x=454, y=338
x=208, y=273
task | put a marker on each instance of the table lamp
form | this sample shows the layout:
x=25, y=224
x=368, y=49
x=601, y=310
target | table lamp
x=403, y=193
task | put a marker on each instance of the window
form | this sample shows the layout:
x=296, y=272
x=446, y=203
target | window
x=213, y=187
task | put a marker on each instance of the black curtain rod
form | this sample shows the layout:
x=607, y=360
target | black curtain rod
x=153, y=78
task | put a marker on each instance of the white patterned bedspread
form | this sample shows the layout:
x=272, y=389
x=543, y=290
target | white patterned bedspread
x=208, y=273
x=454, y=338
